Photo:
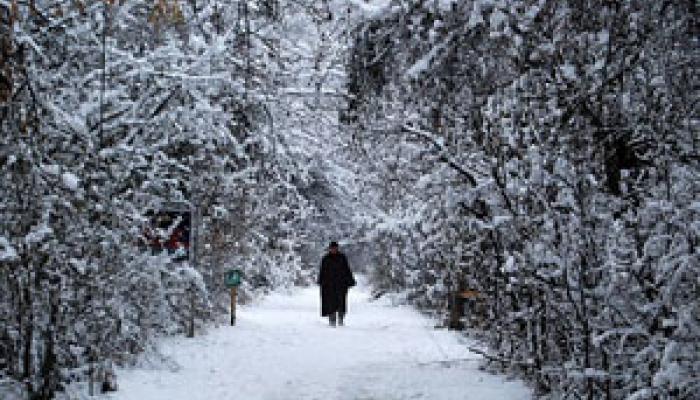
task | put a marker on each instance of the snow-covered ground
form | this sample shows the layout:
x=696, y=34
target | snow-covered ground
x=281, y=349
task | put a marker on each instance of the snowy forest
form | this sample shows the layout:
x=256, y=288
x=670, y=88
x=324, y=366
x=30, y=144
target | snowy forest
x=544, y=154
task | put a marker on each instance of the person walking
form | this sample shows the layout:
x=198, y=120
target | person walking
x=335, y=278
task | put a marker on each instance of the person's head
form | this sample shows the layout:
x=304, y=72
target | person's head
x=333, y=248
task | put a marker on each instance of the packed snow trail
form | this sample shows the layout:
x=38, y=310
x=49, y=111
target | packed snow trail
x=281, y=349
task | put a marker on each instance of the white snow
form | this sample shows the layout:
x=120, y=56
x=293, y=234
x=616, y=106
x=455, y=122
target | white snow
x=38, y=233
x=52, y=169
x=282, y=349
x=497, y=19
x=70, y=181
x=475, y=17
x=422, y=64
x=372, y=8
x=446, y=5
x=510, y=265
x=79, y=264
x=7, y=252
x=569, y=71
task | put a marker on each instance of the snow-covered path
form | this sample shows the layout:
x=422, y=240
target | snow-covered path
x=282, y=350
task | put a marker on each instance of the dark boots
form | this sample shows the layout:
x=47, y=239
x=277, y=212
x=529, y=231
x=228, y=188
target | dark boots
x=336, y=316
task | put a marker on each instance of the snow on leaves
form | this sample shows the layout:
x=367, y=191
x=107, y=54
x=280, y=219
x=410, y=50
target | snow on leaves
x=567, y=117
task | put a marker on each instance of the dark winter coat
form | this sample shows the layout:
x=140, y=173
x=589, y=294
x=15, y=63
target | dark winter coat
x=334, y=278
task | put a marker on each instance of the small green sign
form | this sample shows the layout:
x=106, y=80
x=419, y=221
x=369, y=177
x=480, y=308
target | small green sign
x=233, y=277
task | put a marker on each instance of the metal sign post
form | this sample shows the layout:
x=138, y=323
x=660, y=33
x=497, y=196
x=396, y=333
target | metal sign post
x=233, y=280
x=234, y=294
